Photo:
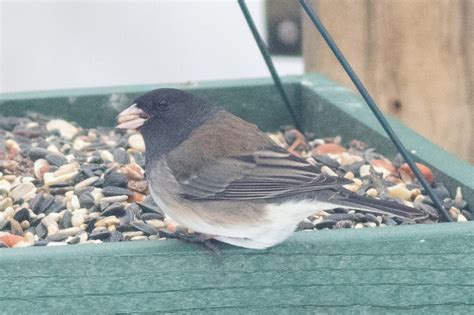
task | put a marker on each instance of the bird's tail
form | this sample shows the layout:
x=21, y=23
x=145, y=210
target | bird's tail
x=392, y=208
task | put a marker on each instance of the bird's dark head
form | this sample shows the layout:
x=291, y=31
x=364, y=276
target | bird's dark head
x=160, y=106
x=165, y=118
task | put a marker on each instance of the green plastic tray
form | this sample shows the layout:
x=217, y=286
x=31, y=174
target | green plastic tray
x=418, y=269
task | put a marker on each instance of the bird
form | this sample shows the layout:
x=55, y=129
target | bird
x=222, y=177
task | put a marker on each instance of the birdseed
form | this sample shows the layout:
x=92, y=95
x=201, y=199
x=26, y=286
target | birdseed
x=61, y=184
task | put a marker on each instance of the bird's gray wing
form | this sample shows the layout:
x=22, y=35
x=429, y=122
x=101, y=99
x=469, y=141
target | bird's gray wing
x=274, y=174
x=262, y=175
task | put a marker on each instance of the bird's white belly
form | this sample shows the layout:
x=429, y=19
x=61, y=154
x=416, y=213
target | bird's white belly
x=279, y=223
x=188, y=218
x=282, y=220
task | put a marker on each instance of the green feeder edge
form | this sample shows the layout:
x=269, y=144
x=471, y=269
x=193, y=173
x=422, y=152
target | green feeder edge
x=402, y=269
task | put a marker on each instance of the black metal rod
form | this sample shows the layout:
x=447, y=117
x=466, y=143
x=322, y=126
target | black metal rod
x=373, y=106
x=268, y=60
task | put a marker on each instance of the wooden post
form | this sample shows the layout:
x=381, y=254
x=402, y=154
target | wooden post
x=416, y=58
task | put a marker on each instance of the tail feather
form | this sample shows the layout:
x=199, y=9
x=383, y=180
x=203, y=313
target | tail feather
x=393, y=208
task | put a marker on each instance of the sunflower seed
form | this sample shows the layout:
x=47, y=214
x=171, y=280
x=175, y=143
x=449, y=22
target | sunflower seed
x=116, y=191
x=22, y=214
x=115, y=179
x=56, y=159
x=145, y=228
x=86, y=200
x=37, y=153
x=121, y=156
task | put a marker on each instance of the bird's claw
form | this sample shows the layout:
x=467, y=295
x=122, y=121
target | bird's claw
x=196, y=238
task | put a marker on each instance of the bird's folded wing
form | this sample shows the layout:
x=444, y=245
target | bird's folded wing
x=264, y=174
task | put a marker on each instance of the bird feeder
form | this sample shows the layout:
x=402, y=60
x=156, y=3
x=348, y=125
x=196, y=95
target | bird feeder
x=422, y=267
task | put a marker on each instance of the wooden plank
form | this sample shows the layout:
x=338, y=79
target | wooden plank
x=407, y=268
x=467, y=8
x=341, y=18
x=415, y=57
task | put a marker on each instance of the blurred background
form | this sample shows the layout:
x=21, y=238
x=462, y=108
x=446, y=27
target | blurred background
x=416, y=57
x=71, y=44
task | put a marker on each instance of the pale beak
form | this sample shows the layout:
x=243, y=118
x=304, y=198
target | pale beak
x=131, y=118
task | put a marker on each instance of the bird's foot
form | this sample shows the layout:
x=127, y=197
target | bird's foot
x=196, y=238
x=298, y=141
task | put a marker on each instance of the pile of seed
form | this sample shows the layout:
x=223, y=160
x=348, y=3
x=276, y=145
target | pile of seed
x=373, y=175
x=62, y=184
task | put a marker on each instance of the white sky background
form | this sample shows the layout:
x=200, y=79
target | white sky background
x=72, y=44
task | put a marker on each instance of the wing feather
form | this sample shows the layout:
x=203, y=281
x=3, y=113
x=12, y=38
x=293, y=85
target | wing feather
x=262, y=175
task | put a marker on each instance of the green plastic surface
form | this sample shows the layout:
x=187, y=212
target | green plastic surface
x=406, y=269
x=418, y=269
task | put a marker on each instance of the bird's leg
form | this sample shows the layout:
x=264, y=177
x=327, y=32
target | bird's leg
x=196, y=238
x=298, y=140
x=377, y=181
x=294, y=145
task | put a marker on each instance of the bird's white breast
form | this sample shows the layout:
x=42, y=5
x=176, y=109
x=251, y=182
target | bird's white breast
x=278, y=222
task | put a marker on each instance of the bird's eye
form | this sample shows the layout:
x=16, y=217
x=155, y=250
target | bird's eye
x=162, y=105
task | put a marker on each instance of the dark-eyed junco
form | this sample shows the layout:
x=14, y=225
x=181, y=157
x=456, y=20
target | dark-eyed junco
x=221, y=176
